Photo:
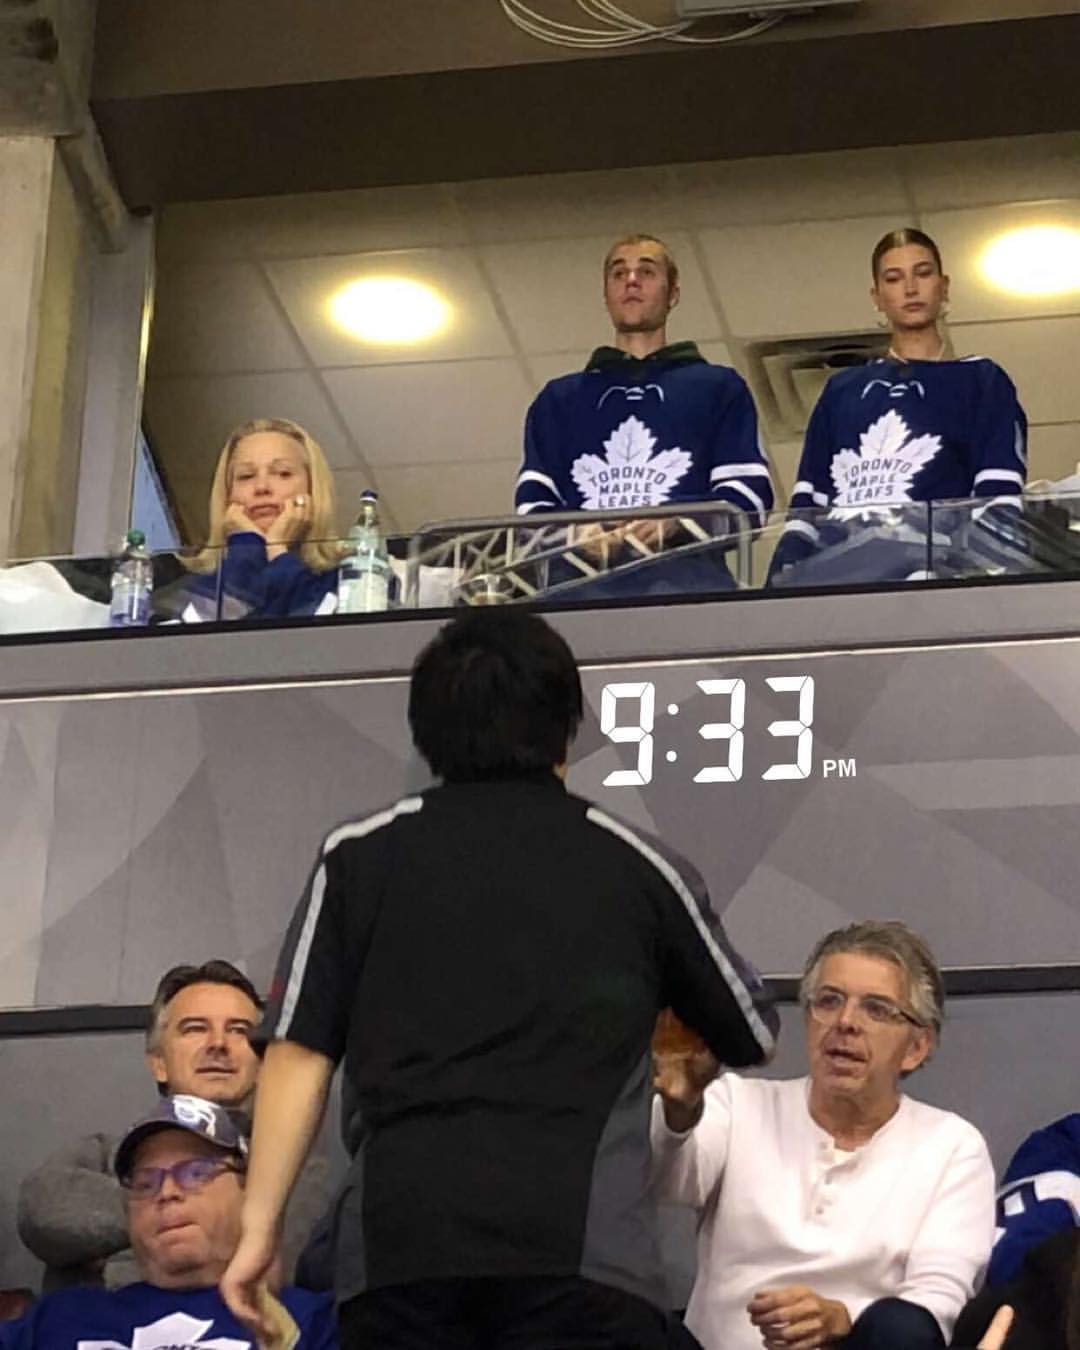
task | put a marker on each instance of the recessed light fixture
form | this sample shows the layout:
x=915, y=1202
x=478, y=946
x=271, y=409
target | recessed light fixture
x=1034, y=260
x=389, y=309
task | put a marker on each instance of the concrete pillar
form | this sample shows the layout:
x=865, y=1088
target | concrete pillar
x=27, y=165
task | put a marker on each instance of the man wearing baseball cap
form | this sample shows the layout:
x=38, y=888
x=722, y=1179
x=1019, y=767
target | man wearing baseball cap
x=182, y=1170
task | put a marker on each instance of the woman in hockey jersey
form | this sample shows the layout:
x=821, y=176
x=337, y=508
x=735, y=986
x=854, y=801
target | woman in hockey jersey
x=915, y=426
x=271, y=548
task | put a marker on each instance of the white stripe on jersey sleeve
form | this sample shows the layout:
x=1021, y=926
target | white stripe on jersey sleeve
x=762, y=1034
x=738, y=471
x=525, y=507
x=804, y=528
x=534, y=476
x=733, y=485
x=1006, y=475
x=1015, y=503
x=354, y=830
x=807, y=488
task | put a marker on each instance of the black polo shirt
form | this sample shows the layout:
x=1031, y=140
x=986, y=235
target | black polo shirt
x=489, y=959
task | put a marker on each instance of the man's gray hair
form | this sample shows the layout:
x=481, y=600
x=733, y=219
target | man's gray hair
x=890, y=941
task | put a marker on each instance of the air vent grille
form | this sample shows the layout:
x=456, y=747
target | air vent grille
x=787, y=376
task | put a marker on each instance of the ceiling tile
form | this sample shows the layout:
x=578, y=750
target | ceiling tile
x=305, y=286
x=718, y=353
x=217, y=318
x=544, y=206
x=433, y=413
x=791, y=280
x=1012, y=169
x=1040, y=357
x=554, y=364
x=307, y=224
x=553, y=294
x=1054, y=452
x=962, y=237
x=190, y=417
x=422, y=494
x=792, y=188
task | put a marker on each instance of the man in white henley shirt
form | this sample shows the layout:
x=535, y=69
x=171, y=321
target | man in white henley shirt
x=833, y=1209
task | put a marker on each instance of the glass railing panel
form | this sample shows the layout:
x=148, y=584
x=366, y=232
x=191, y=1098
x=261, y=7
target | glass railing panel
x=823, y=547
x=578, y=557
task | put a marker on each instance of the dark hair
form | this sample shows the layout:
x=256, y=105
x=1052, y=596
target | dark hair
x=180, y=977
x=496, y=693
x=898, y=239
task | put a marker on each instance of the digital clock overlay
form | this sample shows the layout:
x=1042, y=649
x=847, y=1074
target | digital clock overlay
x=939, y=786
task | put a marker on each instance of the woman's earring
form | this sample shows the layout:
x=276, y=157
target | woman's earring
x=882, y=320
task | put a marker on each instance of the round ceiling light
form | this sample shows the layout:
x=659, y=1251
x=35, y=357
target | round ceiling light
x=389, y=309
x=1035, y=260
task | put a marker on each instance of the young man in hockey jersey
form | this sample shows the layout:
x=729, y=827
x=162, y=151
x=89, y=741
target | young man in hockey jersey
x=643, y=425
x=915, y=426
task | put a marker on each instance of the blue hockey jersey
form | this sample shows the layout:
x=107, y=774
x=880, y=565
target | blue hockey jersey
x=1039, y=1195
x=144, y=1317
x=893, y=432
x=627, y=433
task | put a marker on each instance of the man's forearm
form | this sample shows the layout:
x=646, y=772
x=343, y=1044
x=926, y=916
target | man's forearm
x=289, y=1103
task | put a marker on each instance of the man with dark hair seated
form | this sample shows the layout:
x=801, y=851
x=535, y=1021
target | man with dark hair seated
x=181, y=1170
x=834, y=1208
x=488, y=958
x=71, y=1212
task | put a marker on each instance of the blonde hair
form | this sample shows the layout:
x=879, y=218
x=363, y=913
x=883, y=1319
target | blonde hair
x=320, y=549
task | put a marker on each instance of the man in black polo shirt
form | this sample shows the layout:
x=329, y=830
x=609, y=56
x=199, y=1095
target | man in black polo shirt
x=488, y=958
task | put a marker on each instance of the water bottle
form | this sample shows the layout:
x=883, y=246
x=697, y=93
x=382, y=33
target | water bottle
x=365, y=571
x=132, y=582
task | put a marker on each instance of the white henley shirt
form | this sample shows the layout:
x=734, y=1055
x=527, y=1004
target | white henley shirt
x=910, y=1214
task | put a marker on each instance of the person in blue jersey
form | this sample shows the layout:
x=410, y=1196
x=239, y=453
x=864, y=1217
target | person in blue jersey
x=915, y=426
x=1039, y=1196
x=182, y=1169
x=271, y=549
x=643, y=425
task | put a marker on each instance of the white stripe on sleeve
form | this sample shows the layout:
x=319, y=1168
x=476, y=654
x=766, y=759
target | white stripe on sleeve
x=534, y=476
x=354, y=830
x=742, y=996
x=1007, y=475
x=733, y=485
x=805, y=486
x=739, y=471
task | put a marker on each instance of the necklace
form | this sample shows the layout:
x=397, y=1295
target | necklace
x=903, y=360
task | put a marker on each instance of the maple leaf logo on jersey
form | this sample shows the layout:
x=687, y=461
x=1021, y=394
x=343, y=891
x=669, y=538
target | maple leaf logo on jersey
x=631, y=475
x=881, y=471
x=176, y=1331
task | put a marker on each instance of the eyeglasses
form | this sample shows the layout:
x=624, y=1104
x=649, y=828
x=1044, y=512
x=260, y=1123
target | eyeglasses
x=190, y=1175
x=826, y=1005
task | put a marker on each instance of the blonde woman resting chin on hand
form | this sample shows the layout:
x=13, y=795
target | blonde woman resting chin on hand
x=272, y=541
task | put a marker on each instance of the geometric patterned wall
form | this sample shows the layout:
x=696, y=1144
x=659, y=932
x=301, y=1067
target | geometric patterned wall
x=139, y=831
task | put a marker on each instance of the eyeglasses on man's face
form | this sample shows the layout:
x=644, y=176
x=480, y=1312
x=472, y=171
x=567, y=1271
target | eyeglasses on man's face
x=826, y=1004
x=189, y=1175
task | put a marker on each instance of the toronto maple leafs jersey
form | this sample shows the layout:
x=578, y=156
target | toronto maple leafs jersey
x=144, y=1317
x=1039, y=1195
x=916, y=431
x=627, y=433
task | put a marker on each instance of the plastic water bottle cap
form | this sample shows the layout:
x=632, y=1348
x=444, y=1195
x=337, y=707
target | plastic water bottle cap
x=369, y=495
x=135, y=538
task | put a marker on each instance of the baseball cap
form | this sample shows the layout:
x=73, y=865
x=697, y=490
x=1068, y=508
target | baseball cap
x=206, y=1119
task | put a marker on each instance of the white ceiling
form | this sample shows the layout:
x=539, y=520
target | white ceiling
x=767, y=248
